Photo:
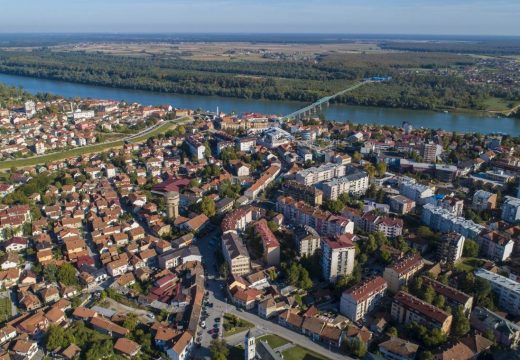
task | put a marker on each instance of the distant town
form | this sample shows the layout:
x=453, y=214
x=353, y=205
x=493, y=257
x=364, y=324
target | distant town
x=152, y=232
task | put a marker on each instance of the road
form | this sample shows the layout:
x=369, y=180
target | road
x=215, y=287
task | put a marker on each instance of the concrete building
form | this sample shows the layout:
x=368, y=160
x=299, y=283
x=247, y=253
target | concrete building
x=506, y=332
x=401, y=204
x=400, y=273
x=236, y=254
x=454, y=297
x=197, y=149
x=439, y=219
x=307, y=241
x=430, y=151
x=411, y=189
x=306, y=193
x=507, y=290
x=483, y=200
x=270, y=244
x=450, y=248
x=511, y=209
x=495, y=245
x=337, y=257
x=320, y=174
x=355, y=182
x=407, y=308
x=267, y=177
x=359, y=300
x=398, y=349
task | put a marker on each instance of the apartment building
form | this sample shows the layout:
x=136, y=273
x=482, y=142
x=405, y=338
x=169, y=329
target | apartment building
x=337, y=256
x=411, y=189
x=197, y=149
x=320, y=174
x=407, y=308
x=302, y=192
x=439, y=219
x=325, y=223
x=355, y=182
x=270, y=244
x=359, y=300
x=484, y=200
x=450, y=248
x=401, y=204
x=401, y=272
x=454, y=297
x=261, y=184
x=507, y=290
x=506, y=332
x=307, y=241
x=236, y=254
x=430, y=151
x=511, y=209
x=495, y=245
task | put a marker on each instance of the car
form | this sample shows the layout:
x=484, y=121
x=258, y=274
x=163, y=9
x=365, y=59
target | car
x=215, y=325
x=203, y=324
x=214, y=336
x=217, y=320
x=151, y=316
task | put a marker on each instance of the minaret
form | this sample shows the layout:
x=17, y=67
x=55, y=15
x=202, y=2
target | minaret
x=250, y=348
x=172, y=204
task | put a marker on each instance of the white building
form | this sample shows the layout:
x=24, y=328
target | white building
x=357, y=301
x=508, y=290
x=249, y=346
x=442, y=220
x=319, y=174
x=450, y=248
x=197, y=149
x=483, y=200
x=355, y=182
x=511, y=209
x=419, y=193
x=337, y=257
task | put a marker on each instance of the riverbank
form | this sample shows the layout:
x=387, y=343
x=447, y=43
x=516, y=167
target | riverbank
x=452, y=121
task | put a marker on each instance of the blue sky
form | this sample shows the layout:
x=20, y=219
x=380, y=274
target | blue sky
x=477, y=17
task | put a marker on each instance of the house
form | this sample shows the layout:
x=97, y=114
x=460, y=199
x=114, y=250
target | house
x=506, y=332
x=127, y=347
x=108, y=327
x=182, y=347
x=25, y=349
x=83, y=313
x=312, y=327
x=7, y=333
x=398, y=349
x=9, y=261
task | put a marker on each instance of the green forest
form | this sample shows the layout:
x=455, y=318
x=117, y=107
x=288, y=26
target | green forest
x=277, y=80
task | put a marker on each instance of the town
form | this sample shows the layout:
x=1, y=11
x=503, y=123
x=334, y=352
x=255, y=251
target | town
x=252, y=236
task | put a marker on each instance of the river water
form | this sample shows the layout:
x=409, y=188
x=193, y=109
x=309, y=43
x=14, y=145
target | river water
x=463, y=122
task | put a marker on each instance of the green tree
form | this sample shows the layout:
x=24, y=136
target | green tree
x=392, y=331
x=49, y=272
x=57, y=337
x=207, y=206
x=219, y=349
x=381, y=168
x=335, y=206
x=428, y=294
x=357, y=348
x=470, y=248
x=460, y=325
x=67, y=275
x=130, y=322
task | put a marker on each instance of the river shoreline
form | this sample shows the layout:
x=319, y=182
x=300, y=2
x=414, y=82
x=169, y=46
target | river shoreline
x=459, y=120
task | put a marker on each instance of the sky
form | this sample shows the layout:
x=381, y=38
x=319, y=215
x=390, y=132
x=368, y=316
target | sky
x=468, y=17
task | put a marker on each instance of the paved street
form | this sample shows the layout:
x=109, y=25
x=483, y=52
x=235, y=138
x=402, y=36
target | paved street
x=220, y=306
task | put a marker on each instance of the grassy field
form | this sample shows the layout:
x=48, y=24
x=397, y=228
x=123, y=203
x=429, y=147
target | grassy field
x=273, y=340
x=468, y=264
x=497, y=104
x=300, y=353
x=5, y=309
x=234, y=325
x=40, y=160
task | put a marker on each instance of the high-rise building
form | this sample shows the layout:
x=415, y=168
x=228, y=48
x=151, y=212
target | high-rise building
x=450, y=248
x=337, y=256
x=402, y=272
x=507, y=290
x=357, y=301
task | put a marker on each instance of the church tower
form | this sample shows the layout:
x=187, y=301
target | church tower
x=250, y=348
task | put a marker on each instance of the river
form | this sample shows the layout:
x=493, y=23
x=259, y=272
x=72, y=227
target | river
x=464, y=122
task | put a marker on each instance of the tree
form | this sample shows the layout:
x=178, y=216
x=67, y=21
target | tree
x=224, y=270
x=470, y=248
x=428, y=294
x=357, y=348
x=67, y=275
x=381, y=168
x=49, y=272
x=100, y=350
x=356, y=157
x=392, y=331
x=439, y=301
x=219, y=349
x=370, y=169
x=207, y=206
x=426, y=355
x=460, y=322
x=130, y=322
x=57, y=337
x=335, y=206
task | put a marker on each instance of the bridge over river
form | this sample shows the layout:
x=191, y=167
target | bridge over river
x=317, y=105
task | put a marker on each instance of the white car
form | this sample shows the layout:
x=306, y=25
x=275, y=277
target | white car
x=203, y=324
